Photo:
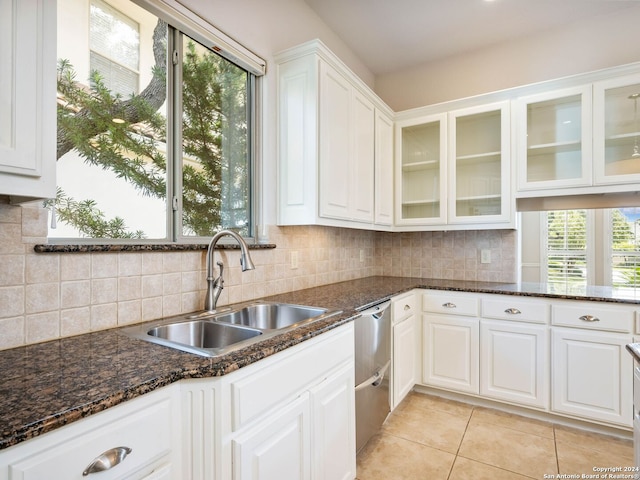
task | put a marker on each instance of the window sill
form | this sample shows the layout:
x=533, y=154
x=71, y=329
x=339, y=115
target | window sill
x=89, y=248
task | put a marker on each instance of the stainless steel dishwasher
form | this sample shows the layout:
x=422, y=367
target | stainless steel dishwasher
x=373, y=360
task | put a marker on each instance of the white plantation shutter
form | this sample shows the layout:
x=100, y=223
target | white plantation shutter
x=566, y=247
x=625, y=247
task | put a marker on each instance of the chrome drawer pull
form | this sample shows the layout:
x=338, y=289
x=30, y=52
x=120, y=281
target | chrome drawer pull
x=107, y=460
x=513, y=311
x=449, y=305
x=589, y=318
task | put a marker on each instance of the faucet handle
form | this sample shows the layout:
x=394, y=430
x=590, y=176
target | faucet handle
x=220, y=280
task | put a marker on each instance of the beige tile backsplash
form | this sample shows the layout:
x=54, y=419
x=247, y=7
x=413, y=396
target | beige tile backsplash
x=48, y=296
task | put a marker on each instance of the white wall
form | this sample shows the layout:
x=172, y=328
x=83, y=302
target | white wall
x=604, y=42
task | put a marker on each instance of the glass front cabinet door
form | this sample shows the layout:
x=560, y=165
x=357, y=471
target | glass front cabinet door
x=616, y=130
x=453, y=169
x=421, y=171
x=554, y=139
x=479, y=161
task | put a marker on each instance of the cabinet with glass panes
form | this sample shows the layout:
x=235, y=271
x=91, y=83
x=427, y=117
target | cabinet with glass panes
x=421, y=171
x=554, y=139
x=452, y=169
x=616, y=130
x=479, y=151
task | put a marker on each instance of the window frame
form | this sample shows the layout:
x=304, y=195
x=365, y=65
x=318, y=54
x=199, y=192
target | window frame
x=182, y=21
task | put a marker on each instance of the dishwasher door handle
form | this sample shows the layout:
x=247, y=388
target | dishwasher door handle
x=376, y=311
x=375, y=379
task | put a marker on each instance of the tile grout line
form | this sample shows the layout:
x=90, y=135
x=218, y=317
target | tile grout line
x=455, y=459
x=555, y=446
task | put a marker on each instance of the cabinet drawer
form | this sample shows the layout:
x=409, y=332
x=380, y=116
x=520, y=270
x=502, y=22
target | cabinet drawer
x=269, y=383
x=403, y=307
x=516, y=308
x=66, y=453
x=593, y=315
x=451, y=303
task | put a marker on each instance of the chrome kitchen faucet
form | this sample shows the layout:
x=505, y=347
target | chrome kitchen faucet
x=215, y=286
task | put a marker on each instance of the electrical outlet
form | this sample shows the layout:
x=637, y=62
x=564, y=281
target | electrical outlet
x=485, y=256
x=294, y=260
x=361, y=255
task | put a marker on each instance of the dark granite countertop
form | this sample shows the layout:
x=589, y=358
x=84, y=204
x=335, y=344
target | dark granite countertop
x=48, y=385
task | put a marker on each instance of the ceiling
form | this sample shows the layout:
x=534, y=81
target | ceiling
x=392, y=35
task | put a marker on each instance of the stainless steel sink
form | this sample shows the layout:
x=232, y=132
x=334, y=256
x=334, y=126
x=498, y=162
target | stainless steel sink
x=202, y=333
x=271, y=316
x=216, y=334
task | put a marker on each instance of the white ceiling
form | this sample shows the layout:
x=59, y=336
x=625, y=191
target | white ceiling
x=392, y=35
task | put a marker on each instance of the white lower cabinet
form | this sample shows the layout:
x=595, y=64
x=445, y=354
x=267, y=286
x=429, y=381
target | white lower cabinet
x=333, y=440
x=592, y=375
x=451, y=352
x=404, y=358
x=566, y=357
x=293, y=414
x=513, y=362
x=406, y=346
x=278, y=447
x=146, y=430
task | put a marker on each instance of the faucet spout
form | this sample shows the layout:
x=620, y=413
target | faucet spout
x=215, y=285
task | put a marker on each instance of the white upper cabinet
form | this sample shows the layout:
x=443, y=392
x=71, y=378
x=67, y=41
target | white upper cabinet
x=383, y=200
x=583, y=139
x=554, y=139
x=616, y=130
x=331, y=131
x=421, y=181
x=27, y=99
x=479, y=165
x=453, y=169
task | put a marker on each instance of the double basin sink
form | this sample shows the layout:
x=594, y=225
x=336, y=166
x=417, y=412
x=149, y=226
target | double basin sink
x=214, y=334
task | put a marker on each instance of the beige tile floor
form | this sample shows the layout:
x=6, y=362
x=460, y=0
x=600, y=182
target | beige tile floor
x=430, y=438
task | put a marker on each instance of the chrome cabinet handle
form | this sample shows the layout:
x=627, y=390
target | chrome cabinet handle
x=449, y=305
x=513, y=311
x=107, y=460
x=589, y=318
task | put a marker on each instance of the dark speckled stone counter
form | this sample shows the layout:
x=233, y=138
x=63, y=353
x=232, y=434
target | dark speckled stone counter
x=48, y=385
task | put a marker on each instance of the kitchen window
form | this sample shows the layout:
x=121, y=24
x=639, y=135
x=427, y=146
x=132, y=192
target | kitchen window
x=592, y=247
x=566, y=258
x=156, y=125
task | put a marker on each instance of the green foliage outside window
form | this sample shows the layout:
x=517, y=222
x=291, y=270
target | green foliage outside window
x=124, y=136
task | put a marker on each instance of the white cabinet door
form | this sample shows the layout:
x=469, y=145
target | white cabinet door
x=276, y=448
x=362, y=157
x=334, y=426
x=335, y=143
x=616, y=130
x=404, y=359
x=383, y=203
x=554, y=139
x=592, y=375
x=451, y=352
x=479, y=186
x=421, y=173
x=514, y=362
x=27, y=99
